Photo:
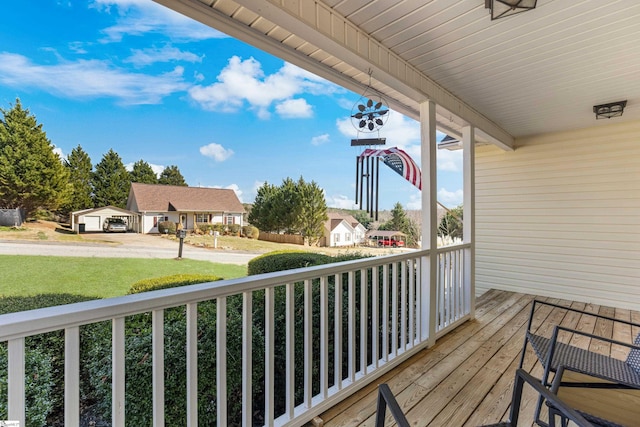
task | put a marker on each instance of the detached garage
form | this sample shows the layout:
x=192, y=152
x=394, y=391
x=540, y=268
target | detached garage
x=91, y=220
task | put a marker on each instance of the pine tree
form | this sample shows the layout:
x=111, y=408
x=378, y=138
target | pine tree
x=111, y=181
x=262, y=214
x=79, y=165
x=32, y=176
x=171, y=176
x=143, y=173
x=400, y=222
x=313, y=212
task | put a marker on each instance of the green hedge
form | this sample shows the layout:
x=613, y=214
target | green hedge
x=170, y=282
x=167, y=227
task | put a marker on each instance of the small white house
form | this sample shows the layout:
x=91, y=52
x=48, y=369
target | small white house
x=343, y=230
x=188, y=206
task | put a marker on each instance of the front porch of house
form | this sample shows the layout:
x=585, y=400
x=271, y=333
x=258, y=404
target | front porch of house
x=466, y=378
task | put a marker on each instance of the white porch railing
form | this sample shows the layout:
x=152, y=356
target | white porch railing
x=327, y=331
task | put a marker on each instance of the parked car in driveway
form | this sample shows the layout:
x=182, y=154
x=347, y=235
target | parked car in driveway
x=394, y=243
x=111, y=225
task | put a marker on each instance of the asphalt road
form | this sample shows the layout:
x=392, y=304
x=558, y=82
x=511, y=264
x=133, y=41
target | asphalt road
x=152, y=249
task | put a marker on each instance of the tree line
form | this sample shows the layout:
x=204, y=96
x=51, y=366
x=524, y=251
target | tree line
x=33, y=176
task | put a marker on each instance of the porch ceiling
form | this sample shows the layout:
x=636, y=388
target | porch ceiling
x=535, y=72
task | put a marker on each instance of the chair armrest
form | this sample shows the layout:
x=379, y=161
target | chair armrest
x=523, y=377
x=387, y=399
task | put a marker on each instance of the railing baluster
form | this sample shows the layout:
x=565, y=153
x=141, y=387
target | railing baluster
x=192, y=364
x=72, y=376
x=385, y=312
x=247, y=359
x=118, y=371
x=221, y=360
x=394, y=309
x=412, y=302
x=337, y=357
x=364, y=327
x=324, y=337
x=403, y=307
x=15, y=379
x=308, y=343
x=269, y=350
x=290, y=349
x=419, y=283
x=375, y=317
x=352, y=327
x=157, y=332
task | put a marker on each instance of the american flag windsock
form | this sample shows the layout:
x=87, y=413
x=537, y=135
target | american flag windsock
x=399, y=161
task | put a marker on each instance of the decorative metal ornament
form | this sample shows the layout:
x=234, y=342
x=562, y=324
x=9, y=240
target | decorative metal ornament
x=369, y=114
x=504, y=8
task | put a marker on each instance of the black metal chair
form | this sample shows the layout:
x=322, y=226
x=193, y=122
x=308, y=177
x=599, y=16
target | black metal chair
x=600, y=371
x=559, y=408
x=386, y=399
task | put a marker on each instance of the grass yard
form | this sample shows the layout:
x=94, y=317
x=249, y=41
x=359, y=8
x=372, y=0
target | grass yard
x=95, y=277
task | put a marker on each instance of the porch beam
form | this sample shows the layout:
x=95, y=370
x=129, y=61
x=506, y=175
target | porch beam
x=429, y=218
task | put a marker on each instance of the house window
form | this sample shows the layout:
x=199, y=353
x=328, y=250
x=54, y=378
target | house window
x=202, y=218
x=229, y=219
x=347, y=237
x=157, y=219
x=336, y=237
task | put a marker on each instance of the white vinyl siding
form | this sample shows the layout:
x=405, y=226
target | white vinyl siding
x=560, y=216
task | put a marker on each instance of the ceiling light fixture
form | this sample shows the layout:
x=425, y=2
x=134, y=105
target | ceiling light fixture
x=503, y=8
x=606, y=111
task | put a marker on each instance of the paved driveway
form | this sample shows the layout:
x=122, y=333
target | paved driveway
x=124, y=245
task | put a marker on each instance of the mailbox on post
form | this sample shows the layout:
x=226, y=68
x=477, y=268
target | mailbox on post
x=181, y=234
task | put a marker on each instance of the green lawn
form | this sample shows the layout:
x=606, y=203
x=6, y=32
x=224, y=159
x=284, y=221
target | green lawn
x=95, y=277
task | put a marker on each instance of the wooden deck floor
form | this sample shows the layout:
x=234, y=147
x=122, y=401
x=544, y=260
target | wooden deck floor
x=466, y=378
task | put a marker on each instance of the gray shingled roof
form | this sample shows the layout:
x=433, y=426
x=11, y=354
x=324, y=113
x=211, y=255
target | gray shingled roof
x=165, y=198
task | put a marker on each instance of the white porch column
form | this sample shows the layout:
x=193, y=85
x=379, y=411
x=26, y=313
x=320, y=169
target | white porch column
x=429, y=229
x=469, y=215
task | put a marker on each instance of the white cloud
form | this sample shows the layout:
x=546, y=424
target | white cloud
x=294, y=108
x=450, y=161
x=233, y=187
x=58, y=151
x=90, y=79
x=139, y=17
x=320, y=139
x=450, y=199
x=216, y=151
x=243, y=82
x=341, y=201
x=142, y=57
x=415, y=201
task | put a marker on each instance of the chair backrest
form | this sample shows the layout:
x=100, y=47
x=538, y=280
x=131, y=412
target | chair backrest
x=633, y=359
x=387, y=399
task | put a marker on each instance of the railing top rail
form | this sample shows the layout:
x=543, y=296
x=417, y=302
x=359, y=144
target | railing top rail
x=450, y=248
x=34, y=322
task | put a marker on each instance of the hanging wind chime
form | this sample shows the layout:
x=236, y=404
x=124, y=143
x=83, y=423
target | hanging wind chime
x=368, y=115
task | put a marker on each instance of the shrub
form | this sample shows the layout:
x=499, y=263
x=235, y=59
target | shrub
x=234, y=229
x=250, y=231
x=285, y=260
x=170, y=282
x=166, y=227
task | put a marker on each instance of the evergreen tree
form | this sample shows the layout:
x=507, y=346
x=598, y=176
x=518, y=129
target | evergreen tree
x=32, y=176
x=451, y=223
x=79, y=165
x=400, y=222
x=313, y=212
x=262, y=214
x=111, y=181
x=288, y=207
x=171, y=176
x=143, y=173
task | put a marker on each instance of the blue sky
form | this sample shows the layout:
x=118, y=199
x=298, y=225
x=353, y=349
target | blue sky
x=151, y=84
